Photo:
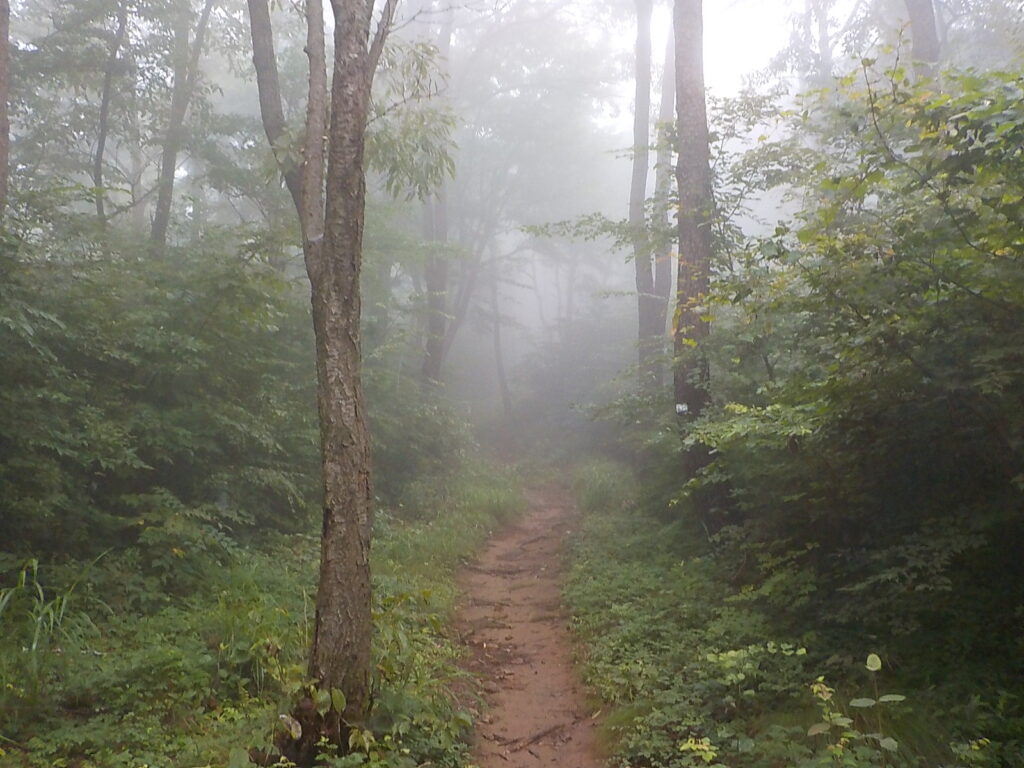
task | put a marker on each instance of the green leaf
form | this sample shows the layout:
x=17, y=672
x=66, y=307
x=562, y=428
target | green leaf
x=888, y=743
x=323, y=701
x=338, y=700
x=862, y=703
x=874, y=662
x=891, y=697
x=819, y=728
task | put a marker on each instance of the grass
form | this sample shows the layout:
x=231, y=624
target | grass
x=132, y=676
x=694, y=673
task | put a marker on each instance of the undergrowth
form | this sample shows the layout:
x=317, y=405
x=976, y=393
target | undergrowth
x=697, y=671
x=100, y=668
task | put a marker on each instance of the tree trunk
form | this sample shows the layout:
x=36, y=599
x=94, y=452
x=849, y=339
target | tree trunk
x=332, y=232
x=693, y=175
x=646, y=301
x=436, y=271
x=824, y=40
x=435, y=279
x=186, y=72
x=103, y=126
x=662, y=204
x=924, y=37
x=5, y=87
x=499, y=355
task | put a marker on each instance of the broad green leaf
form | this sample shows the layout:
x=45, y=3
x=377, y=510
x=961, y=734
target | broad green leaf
x=818, y=729
x=323, y=701
x=862, y=703
x=889, y=743
x=891, y=697
x=338, y=700
x=874, y=662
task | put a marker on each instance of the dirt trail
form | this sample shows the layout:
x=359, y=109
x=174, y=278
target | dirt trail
x=512, y=620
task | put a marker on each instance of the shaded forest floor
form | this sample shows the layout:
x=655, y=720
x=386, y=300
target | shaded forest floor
x=512, y=620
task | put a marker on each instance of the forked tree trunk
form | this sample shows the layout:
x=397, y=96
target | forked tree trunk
x=331, y=218
x=693, y=175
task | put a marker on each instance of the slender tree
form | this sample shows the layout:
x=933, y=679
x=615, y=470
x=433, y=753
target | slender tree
x=499, y=355
x=693, y=175
x=331, y=219
x=662, y=203
x=106, y=96
x=5, y=87
x=435, y=270
x=647, y=334
x=186, y=73
x=924, y=37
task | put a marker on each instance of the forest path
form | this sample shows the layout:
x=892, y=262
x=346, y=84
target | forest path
x=512, y=619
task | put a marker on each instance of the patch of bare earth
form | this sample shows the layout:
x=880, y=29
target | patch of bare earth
x=512, y=620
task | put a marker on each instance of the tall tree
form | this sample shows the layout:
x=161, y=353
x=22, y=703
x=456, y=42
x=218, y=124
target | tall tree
x=331, y=220
x=693, y=176
x=106, y=96
x=435, y=270
x=5, y=87
x=662, y=203
x=924, y=36
x=186, y=73
x=646, y=301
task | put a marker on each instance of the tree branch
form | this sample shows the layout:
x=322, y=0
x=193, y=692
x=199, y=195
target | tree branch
x=387, y=17
x=269, y=86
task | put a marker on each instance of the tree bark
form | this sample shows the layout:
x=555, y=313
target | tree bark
x=662, y=202
x=499, y=355
x=435, y=280
x=647, y=334
x=186, y=72
x=436, y=269
x=824, y=40
x=924, y=37
x=331, y=219
x=693, y=175
x=5, y=87
x=103, y=127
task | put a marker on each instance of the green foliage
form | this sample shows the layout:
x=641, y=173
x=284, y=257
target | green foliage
x=206, y=675
x=864, y=483
x=164, y=405
x=697, y=673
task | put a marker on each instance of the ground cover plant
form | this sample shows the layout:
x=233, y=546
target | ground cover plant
x=697, y=670
x=88, y=678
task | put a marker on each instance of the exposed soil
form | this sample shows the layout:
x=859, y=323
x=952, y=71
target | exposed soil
x=511, y=618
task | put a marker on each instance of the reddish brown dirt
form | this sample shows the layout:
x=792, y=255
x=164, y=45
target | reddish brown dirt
x=512, y=620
